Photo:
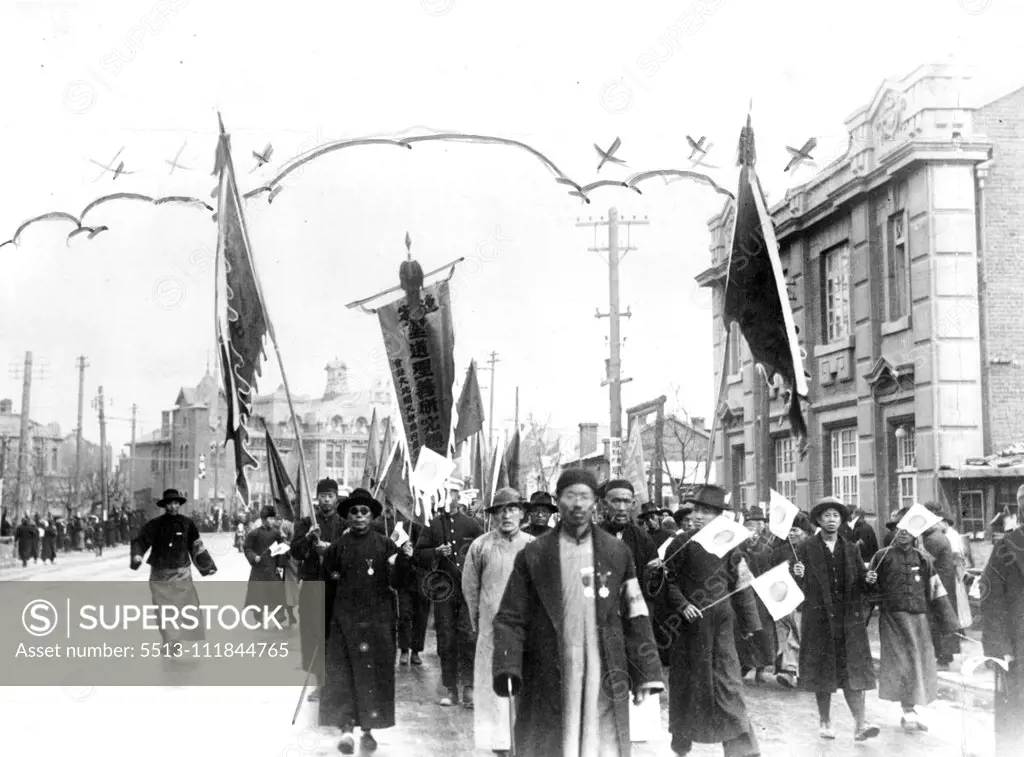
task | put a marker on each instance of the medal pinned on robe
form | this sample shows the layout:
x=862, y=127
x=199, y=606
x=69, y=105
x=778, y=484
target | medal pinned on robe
x=587, y=574
x=603, y=578
x=369, y=567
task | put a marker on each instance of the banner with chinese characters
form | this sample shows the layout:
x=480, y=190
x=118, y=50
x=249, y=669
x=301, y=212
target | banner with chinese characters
x=420, y=343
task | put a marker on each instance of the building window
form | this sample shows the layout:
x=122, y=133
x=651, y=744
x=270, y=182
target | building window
x=836, y=291
x=973, y=523
x=154, y=463
x=734, y=348
x=329, y=461
x=358, y=461
x=906, y=465
x=785, y=468
x=845, y=471
x=739, y=476
x=53, y=460
x=898, y=263
x=184, y=459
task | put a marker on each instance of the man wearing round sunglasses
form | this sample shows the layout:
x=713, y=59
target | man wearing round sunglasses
x=361, y=568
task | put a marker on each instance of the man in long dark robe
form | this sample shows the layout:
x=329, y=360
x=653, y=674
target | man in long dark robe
x=174, y=544
x=834, y=649
x=705, y=689
x=787, y=628
x=361, y=567
x=652, y=518
x=443, y=546
x=541, y=508
x=572, y=636
x=936, y=544
x=757, y=652
x=1002, y=613
x=861, y=534
x=26, y=536
x=266, y=576
x=49, y=543
x=308, y=546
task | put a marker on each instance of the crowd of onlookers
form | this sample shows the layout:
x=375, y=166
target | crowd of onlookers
x=38, y=537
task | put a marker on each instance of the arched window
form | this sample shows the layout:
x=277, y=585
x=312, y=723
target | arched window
x=184, y=460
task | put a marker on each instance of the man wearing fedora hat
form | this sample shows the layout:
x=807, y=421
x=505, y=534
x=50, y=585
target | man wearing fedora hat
x=706, y=703
x=173, y=543
x=652, y=516
x=488, y=566
x=309, y=542
x=541, y=508
x=834, y=648
x=361, y=568
x=442, y=546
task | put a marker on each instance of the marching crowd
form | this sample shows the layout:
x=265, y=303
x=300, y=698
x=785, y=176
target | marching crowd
x=574, y=605
x=41, y=538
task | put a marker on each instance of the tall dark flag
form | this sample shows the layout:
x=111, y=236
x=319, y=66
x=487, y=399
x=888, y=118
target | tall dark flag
x=510, y=461
x=281, y=489
x=479, y=471
x=384, y=454
x=242, y=322
x=470, y=407
x=755, y=291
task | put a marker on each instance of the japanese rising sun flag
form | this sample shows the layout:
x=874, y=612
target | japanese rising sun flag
x=721, y=535
x=778, y=591
x=918, y=520
x=781, y=513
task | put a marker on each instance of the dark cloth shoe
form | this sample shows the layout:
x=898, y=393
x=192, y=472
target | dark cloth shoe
x=368, y=743
x=403, y=659
x=867, y=732
x=347, y=745
x=415, y=659
x=467, y=697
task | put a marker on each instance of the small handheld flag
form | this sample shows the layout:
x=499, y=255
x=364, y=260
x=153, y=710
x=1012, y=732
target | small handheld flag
x=399, y=536
x=721, y=535
x=778, y=591
x=432, y=470
x=918, y=520
x=781, y=513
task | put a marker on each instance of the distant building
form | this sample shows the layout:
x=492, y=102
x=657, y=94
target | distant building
x=49, y=468
x=335, y=430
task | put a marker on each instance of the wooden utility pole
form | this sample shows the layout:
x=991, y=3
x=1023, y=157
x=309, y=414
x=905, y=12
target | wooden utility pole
x=98, y=403
x=24, y=443
x=493, y=360
x=131, y=462
x=82, y=365
x=616, y=253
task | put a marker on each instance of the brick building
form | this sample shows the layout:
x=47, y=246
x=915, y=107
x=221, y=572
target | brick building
x=899, y=257
x=335, y=430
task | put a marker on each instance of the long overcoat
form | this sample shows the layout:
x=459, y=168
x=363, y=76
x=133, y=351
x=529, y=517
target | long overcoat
x=528, y=640
x=266, y=584
x=936, y=544
x=705, y=690
x=819, y=614
x=1002, y=611
x=760, y=649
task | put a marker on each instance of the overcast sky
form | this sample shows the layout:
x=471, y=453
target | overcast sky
x=83, y=80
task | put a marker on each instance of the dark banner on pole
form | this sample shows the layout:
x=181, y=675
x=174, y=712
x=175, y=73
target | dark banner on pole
x=420, y=343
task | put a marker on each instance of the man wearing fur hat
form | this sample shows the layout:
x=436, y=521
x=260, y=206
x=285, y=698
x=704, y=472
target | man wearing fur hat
x=266, y=582
x=361, y=569
x=443, y=546
x=173, y=543
x=308, y=546
x=572, y=637
x=706, y=703
x=488, y=566
x=834, y=649
x=542, y=507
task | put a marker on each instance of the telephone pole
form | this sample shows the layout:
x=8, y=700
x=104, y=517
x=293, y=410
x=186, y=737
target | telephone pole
x=82, y=365
x=493, y=360
x=616, y=253
x=23, y=485
x=98, y=403
x=131, y=463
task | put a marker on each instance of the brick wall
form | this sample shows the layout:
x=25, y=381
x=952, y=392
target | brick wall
x=1001, y=274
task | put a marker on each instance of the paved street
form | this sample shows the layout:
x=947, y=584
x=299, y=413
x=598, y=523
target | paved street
x=256, y=721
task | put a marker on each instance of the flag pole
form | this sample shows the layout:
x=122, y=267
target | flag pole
x=270, y=329
x=718, y=400
x=427, y=275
